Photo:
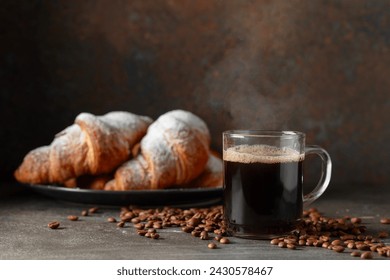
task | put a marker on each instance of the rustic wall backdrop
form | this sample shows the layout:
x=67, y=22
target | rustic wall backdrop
x=322, y=67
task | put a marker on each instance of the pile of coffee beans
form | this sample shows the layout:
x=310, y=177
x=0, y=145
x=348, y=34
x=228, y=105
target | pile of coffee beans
x=203, y=223
x=335, y=234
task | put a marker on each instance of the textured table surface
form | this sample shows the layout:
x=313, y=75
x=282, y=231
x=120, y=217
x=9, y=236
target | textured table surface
x=25, y=235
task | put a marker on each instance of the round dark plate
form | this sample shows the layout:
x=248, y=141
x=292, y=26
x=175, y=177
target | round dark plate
x=172, y=197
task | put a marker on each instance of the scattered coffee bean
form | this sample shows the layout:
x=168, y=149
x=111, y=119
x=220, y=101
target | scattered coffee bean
x=152, y=230
x=141, y=232
x=282, y=245
x=291, y=246
x=187, y=229
x=139, y=226
x=93, y=210
x=385, y=221
x=224, y=240
x=218, y=237
x=204, y=235
x=212, y=246
x=84, y=213
x=366, y=255
x=53, y=225
x=355, y=254
x=154, y=235
x=120, y=224
x=72, y=218
x=338, y=249
x=111, y=220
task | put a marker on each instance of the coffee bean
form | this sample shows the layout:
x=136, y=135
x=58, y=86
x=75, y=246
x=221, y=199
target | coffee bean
x=212, y=246
x=355, y=254
x=388, y=253
x=366, y=255
x=309, y=242
x=53, y=225
x=325, y=245
x=337, y=242
x=194, y=222
x=141, y=232
x=351, y=245
x=152, y=230
x=218, y=237
x=72, y=218
x=363, y=247
x=120, y=224
x=374, y=248
x=135, y=220
x=356, y=220
x=148, y=234
x=139, y=226
x=187, y=229
x=282, y=245
x=204, y=235
x=347, y=237
x=301, y=242
x=338, y=249
x=93, y=210
x=195, y=233
x=111, y=220
x=157, y=225
x=84, y=213
x=224, y=240
x=154, y=235
x=383, y=234
x=274, y=241
x=385, y=221
x=149, y=224
x=291, y=246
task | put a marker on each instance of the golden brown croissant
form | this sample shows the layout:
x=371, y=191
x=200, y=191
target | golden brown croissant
x=174, y=151
x=93, y=145
x=211, y=177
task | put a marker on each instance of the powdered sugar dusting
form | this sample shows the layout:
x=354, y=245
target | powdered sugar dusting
x=164, y=140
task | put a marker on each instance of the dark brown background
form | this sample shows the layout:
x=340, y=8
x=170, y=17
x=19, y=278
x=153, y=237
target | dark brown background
x=322, y=67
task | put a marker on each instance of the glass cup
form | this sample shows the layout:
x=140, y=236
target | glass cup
x=263, y=177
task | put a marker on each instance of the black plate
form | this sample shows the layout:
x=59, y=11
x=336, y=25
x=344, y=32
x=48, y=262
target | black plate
x=172, y=197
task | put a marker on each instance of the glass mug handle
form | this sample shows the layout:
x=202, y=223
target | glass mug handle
x=326, y=171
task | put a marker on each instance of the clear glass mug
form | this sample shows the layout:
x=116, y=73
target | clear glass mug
x=263, y=178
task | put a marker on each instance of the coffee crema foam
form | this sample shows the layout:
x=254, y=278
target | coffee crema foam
x=261, y=154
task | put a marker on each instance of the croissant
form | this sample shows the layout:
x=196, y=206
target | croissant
x=92, y=145
x=174, y=151
x=212, y=175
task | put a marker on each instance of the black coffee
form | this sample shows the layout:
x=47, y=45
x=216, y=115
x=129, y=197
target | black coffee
x=262, y=190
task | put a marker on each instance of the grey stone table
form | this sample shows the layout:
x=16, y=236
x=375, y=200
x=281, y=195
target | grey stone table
x=24, y=233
